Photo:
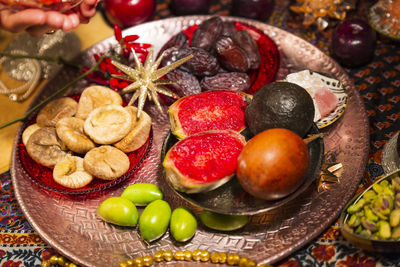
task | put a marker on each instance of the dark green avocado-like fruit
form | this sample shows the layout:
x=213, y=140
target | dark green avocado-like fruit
x=280, y=105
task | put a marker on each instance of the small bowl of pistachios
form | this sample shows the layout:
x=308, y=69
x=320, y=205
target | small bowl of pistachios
x=371, y=220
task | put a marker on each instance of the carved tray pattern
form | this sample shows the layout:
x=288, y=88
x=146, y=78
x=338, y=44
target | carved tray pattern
x=69, y=224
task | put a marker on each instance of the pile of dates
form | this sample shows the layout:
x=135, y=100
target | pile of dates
x=222, y=58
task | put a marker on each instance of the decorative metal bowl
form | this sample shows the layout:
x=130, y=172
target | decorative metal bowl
x=368, y=244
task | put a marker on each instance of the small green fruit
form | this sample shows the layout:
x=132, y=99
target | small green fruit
x=142, y=194
x=154, y=221
x=223, y=222
x=183, y=224
x=119, y=211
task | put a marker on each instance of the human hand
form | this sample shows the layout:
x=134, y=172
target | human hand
x=37, y=21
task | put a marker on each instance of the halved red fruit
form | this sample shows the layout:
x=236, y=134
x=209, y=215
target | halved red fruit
x=212, y=110
x=203, y=161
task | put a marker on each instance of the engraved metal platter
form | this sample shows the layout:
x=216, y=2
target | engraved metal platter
x=69, y=223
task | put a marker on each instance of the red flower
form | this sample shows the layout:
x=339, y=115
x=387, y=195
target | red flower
x=357, y=261
x=324, y=252
x=11, y=263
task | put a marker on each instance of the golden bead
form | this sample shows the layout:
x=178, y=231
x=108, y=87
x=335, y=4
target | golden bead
x=222, y=257
x=205, y=255
x=45, y=264
x=233, y=259
x=53, y=260
x=138, y=262
x=71, y=264
x=158, y=256
x=196, y=254
x=214, y=257
x=243, y=262
x=167, y=255
x=188, y=255
x=147, y=261
x=123, y=264
x=66, y=264
x=179, y=256
x=130, y=263
x=251, y=263
x=61, y=261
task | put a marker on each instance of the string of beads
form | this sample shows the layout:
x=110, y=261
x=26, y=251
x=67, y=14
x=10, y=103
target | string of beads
x=167, y=256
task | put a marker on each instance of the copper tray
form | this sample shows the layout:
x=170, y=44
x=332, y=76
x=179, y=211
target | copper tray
x=69, y=224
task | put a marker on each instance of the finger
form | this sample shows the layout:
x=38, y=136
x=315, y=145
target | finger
x=88, y=8
x=19, y=21
x=71, y=22
x=55, y=19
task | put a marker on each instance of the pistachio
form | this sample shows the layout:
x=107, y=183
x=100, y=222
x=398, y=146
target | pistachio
x=356, y=206
x=370, y=196
x=354, y=221
x=369, y=225
x=395, y=218
x=396, y=233
x=384, y=230
x=370, y=214
x=396, y=183
x=377, y=188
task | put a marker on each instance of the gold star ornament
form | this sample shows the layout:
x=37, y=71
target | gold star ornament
x=318, y=12
x=147, y=79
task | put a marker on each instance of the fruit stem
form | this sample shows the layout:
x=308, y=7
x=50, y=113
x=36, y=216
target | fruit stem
x=69, y=84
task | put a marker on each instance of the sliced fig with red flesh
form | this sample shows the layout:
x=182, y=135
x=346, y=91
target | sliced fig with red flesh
x=203, y=161
x=211, y=110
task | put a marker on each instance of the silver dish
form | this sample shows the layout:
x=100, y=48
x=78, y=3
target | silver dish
x=69, y=223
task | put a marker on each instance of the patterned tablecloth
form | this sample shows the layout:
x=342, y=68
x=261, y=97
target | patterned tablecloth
x=379, y=86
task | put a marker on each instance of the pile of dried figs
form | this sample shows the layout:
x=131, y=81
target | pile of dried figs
x=223, y=57
x=86, y=139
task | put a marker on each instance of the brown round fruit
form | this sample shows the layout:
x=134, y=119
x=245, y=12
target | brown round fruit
x=273, y=164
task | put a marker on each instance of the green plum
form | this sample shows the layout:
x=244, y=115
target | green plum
x=142, y=194
x=154, y=221
x=183, y=224
x=118, y=211
x=223, y=222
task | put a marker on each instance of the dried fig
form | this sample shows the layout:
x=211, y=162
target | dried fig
x=108, y=124
x=235, y=81
x=95, y=96
x=139, y=133
x=70, y=173
x=28, y=132
x=70, y=131
x=207, y=33
x=106, y=162
x=230, y=55
x=45, y=147
x=55, y=110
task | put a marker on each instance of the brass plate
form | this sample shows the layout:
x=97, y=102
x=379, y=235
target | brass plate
x=70, y=225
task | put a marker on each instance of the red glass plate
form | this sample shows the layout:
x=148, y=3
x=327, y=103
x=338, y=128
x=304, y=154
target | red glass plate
x=43, y=176
x=269, y=53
